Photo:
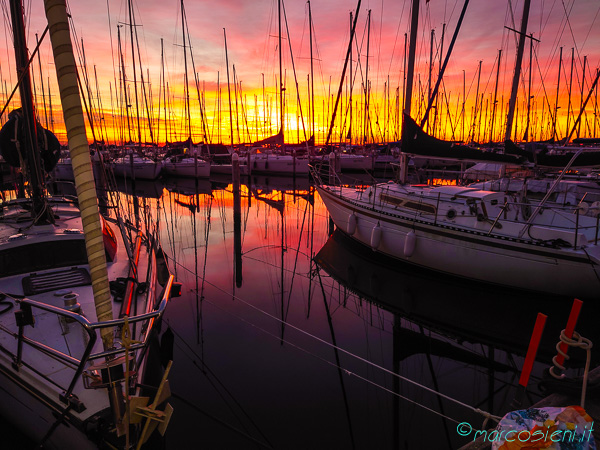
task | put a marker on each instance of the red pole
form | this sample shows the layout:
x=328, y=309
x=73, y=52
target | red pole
x=575, y=309
x=534, y=343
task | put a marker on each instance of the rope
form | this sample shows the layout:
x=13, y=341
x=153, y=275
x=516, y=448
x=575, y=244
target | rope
x=216, y=419
x=126, y=341
x=346, y=371
x=580, y=342
x=366, y=361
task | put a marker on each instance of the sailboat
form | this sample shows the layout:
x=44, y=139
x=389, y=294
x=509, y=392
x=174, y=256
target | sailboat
x=270, y=156
x=188, y=163
x=73, y=354
x=472, y=233
x=136, y=166
x=185, y=165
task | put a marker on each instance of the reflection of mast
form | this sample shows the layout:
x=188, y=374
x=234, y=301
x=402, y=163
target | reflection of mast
x=437, y=389
x=396, y=380
x=283, y=318
x=206, y=234
x=337, y=361
x=237, y=220
x=194, y=232
x=311, y=234
x=279, y=205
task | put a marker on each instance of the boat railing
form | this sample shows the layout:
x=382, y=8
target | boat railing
x=90, y=328
x=569, y=215
x=316, y=171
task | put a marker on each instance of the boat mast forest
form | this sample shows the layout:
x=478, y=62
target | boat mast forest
x=473, y=102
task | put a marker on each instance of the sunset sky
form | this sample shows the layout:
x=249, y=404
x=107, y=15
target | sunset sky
x=252, y=30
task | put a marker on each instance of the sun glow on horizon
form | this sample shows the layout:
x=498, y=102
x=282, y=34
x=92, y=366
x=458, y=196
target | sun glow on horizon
x=471, y=105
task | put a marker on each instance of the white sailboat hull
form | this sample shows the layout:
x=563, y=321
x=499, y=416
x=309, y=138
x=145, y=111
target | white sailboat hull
x=355, y=163
x=278, y=164
x=227, y=168
x=143, y=170
x=187, y=168
x=472, y=255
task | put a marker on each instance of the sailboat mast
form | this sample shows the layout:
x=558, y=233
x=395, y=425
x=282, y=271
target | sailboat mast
x=517, y=74
x=186, y=86
x=281, y=89
x=161, y=92
x=529, y=88
x=137, y=104
x=337, y=100
x=410, y=68
x=312, y=74
x=495, y=104
x=367, y=91
x=42, y=81
x=66, y=72
x=124, y=77
x=39, y=211
x=228, y=90
x=351, y=85
x=410, y=72
x=557, y=92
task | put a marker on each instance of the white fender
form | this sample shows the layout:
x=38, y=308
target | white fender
x=351, y=224
x=409, y=244
x=375, y=237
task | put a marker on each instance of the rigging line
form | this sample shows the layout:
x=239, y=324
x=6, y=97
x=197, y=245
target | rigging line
x=200, y=410
x=360, y=377
x=295, y=262
x=435, y=382
x=366, y=361
x=294, y=70
x=568, y=22
x=337, y=360
x=553, y=119
x=217, y=380
x=266, y=263
x=25, y=71
x=591, y=27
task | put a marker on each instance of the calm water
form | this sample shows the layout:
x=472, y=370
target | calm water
x=288, y=337
x=291, y=336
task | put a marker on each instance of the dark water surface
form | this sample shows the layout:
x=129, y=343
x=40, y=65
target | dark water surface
x=288, y=337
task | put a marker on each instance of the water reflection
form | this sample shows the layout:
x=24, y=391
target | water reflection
x=287, y=337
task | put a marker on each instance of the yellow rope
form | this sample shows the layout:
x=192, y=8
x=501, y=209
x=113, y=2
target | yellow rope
x=126, y=341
